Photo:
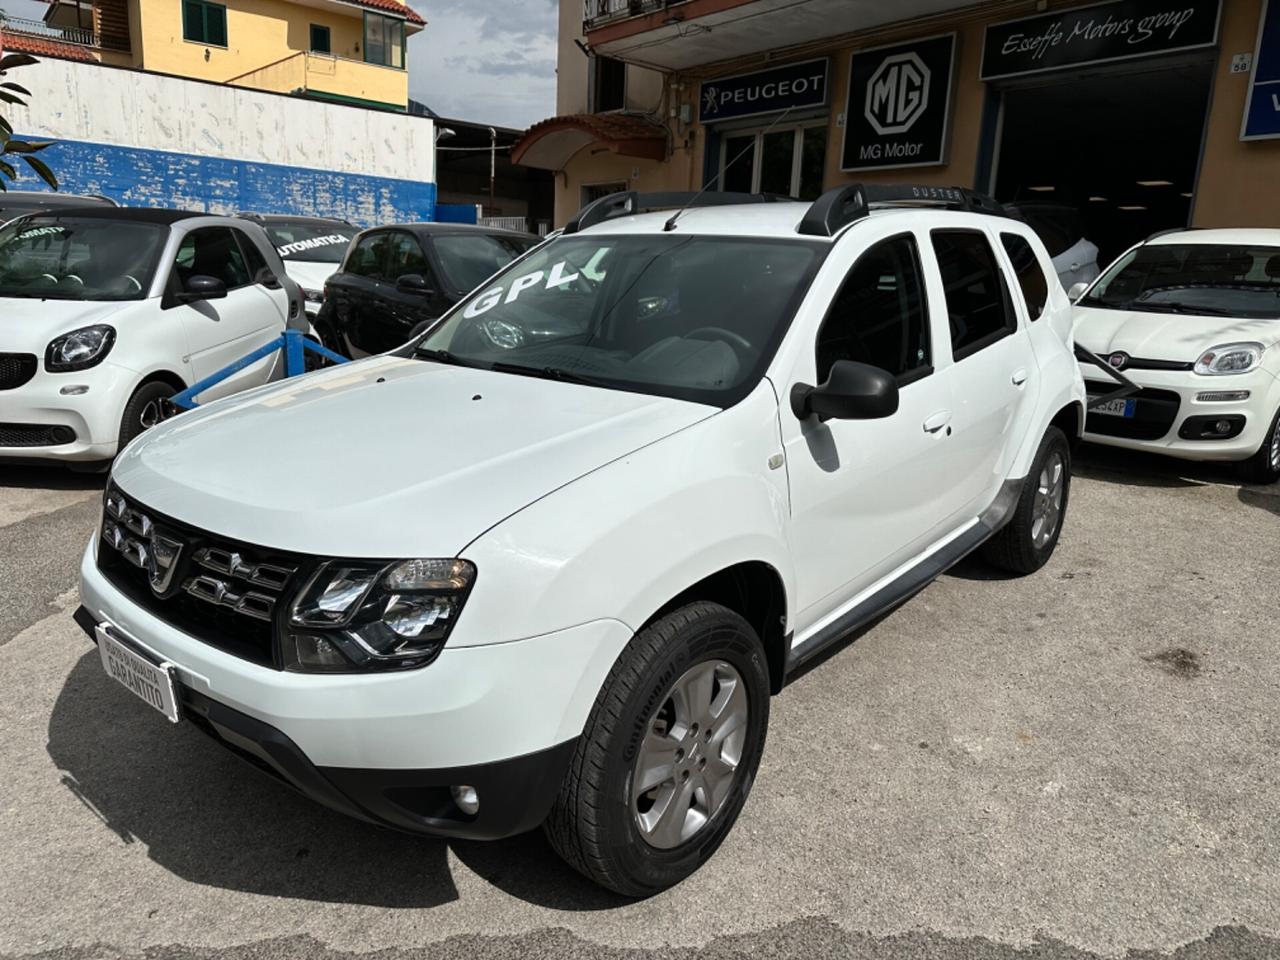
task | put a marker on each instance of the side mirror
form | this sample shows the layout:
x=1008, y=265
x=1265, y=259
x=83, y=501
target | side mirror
x=413, y=283
x=1077, y=291
x=201, y=287
x=853, y=391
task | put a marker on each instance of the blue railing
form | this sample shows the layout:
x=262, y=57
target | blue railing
x=295, y=345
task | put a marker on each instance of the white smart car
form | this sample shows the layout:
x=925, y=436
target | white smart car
x=105, y=312
x=1193, y=318
x=552, y=558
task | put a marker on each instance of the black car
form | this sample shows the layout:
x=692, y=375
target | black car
x=17, y=203
x=395, y=280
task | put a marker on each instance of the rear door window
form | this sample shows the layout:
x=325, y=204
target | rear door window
x=368, y=257
x=979, y=309
x=406, y=257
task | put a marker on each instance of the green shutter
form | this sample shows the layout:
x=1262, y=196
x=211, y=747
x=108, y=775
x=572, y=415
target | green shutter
x=216, y=33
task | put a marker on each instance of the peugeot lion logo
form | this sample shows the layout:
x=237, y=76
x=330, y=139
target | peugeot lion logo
x=710, y=100
x=1119, y=360
x=897, y=94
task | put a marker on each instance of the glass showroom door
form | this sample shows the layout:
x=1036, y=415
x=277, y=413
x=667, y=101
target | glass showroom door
x=788, y=161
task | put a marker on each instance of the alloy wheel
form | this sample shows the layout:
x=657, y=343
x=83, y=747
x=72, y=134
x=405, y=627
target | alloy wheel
x=688, y=761
x=1046, y=511
x=1275, y=445
x=150, y=415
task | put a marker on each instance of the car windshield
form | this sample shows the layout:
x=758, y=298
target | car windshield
x=1193, y=278
x=309, y=241
x=69, y=258
x=696, y=318
x=471, y=259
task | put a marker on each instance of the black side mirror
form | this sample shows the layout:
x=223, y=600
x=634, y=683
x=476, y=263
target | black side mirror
x=413, y=283
x=853, y=391
x=201, y=287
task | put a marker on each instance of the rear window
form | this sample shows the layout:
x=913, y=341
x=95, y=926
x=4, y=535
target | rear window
x=471, y=259
x=308, y=241
x=1031, y=278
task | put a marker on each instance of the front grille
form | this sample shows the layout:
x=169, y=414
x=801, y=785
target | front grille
x=1153, y=416
x=34, y=435
x=16, y=369
x=229, y=594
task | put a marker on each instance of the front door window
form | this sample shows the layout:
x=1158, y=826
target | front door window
x=788, y=161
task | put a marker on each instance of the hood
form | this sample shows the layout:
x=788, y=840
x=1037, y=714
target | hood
x=1165, y=336
x=310, y=276
x=387, y=457
x=27, y=326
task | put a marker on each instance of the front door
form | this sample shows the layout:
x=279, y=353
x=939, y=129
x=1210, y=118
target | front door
x=400, y=310
x=353, y=293
x=866, y=493
x=220, y=332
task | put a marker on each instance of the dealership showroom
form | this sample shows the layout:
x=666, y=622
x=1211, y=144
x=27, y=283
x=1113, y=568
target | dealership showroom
x=850, y=527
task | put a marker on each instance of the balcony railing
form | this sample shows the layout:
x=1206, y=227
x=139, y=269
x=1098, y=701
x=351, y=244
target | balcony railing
x=597, y=12
x=38, y=28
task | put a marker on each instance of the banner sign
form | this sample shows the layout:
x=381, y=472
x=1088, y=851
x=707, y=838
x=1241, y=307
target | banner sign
x=1262, y=108
x=795, y=85
x=899, y=109
x=1105, y=32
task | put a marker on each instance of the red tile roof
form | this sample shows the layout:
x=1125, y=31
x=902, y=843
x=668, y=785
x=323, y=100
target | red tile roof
x=391, y=6
x=44, y=47
x=551, y=143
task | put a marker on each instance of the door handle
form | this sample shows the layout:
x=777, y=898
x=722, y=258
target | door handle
x=937, y=421
x=1019, y=377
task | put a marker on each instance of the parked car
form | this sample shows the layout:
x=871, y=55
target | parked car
x=311, y=248
x=1193, y=317
x=1075, y=256
x=106, y=311
x=536, y=581
x=395, y=281
x=15, y=203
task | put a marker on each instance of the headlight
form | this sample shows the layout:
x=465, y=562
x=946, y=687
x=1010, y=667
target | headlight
x=1229, y=358
x=79, y=349
x=313, y=296
x=356, y=616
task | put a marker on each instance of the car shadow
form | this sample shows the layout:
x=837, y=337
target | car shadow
x=1138, y=468
x=212, y=819
x=1264, y=498
x=53, y=476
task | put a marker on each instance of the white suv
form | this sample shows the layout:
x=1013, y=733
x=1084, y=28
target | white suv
x=106, y=311
x=552, y=558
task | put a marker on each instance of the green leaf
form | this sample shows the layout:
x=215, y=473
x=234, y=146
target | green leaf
x=27, y=146
x=6, y=131
x=16, y=60
x=10, y=98
x=16, y=88
x=42, y=171
x=7, y=170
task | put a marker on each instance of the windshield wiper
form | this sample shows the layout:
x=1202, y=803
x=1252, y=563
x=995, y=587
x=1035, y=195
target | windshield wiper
x=1176, y=306
x=444, y=356
x=549, y=373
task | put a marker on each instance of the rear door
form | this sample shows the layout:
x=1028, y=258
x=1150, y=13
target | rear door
x=220, y=332
x=995, y=378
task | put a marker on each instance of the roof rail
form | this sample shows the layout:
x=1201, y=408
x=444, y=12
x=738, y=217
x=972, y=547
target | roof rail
x=841, y=206
x=628, y=202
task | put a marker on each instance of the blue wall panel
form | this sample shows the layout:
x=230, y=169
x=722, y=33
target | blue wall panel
x=456, y=212
x=156, y=178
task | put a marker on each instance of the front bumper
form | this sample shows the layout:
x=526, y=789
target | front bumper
x=93, y=416
x=1169, y=411
x=386, y=747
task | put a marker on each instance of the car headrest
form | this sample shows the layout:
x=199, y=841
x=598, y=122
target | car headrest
x=1273, y=266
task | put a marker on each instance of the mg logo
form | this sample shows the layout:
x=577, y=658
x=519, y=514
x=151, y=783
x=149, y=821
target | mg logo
x=897, y=94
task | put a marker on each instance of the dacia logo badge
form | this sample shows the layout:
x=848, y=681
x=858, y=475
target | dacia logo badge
x=1118, y=360
x=162, y=561
x=897, y=94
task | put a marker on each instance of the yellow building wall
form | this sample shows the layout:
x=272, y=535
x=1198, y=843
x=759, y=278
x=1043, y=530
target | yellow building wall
x=261, y=34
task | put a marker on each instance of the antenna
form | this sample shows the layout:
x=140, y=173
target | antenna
x=671, y=223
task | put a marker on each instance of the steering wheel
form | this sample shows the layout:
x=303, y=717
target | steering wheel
x=736, y=340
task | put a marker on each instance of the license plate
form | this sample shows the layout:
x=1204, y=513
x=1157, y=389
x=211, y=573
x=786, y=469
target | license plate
x=148, y=681
x=1116, y=408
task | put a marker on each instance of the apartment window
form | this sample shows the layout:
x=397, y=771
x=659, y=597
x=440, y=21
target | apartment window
x=320, y=42
x=204, y=22
x=384, y=41
x=608, y=85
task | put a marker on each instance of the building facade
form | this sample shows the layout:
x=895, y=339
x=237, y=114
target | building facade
x=349, y=51
x=1127, y=116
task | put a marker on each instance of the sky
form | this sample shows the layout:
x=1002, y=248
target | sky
x=492, y=61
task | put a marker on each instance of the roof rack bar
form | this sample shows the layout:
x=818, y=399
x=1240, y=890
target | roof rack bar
x=629, y=202
x=841, y=206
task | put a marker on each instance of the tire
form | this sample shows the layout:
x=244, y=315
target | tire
x=1024, y=545
x=598, y=822
x=1264, y=465
x=143, y=411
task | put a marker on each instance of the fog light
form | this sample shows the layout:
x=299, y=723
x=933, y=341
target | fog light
x=1222, y=426
x=466, y=798
x=1222, y=396
x=63, y=435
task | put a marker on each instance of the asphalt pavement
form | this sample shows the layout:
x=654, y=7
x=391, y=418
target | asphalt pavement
x=1081, y=763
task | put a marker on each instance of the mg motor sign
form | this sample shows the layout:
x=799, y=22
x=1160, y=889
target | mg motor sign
x=899, y=105
x=794, y=86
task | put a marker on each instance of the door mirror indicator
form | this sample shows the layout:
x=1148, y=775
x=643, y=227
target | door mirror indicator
x=852, y=391
x=201, y=287
x=413, y=283
x=1077, y=291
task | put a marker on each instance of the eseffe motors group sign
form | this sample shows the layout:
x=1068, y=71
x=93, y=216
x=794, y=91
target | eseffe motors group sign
x=899, y=109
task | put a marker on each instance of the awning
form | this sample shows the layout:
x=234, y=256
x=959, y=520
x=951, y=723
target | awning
x=551, y=143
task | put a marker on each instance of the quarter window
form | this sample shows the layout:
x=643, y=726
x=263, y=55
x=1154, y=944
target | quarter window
x=1031, y=278
x=212, y=252
x=879, y=316
x=254, y=259
x=204, y=22
x=978, y=306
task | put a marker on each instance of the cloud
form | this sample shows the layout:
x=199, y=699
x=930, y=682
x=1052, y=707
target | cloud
x=491, y=61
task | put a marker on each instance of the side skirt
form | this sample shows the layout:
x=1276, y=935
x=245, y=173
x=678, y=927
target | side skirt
x=863, y=609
